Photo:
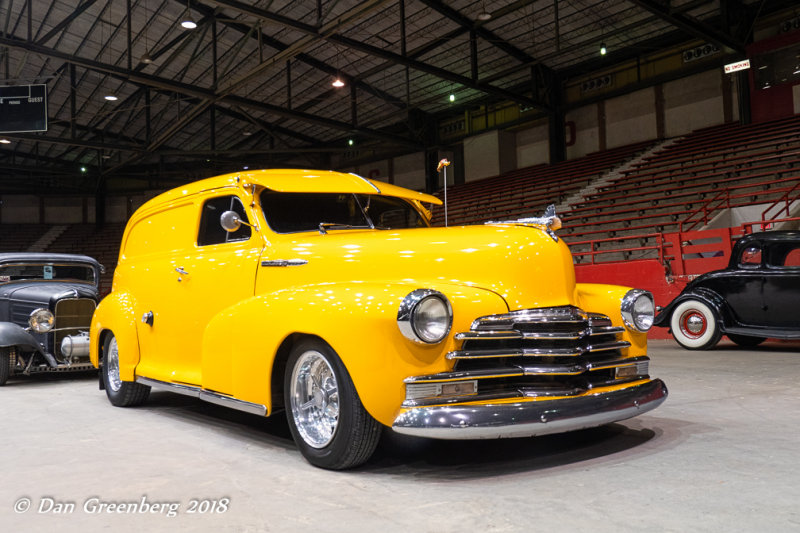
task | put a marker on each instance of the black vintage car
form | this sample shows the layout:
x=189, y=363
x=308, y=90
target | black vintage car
x=46, y=307
x=756, y=297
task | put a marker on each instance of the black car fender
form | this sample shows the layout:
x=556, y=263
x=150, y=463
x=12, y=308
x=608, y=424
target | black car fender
x=13, y=335
x=714, y=301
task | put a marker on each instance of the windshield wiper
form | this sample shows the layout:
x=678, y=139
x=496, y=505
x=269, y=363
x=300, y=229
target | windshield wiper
x=325, y=226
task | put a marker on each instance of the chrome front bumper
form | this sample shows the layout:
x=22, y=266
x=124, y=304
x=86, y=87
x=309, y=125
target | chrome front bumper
x=530, y=418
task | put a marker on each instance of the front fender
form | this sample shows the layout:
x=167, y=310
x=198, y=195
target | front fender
x=358, y=320
x=607, y=299
x=14, y=335
x=712, y=299
x=115, y=313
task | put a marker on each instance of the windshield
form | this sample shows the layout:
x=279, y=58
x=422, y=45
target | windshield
x=293, y=212
x=46, y=272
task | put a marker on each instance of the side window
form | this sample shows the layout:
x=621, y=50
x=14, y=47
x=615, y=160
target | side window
x=751, y=257
x=211, y=232
x=792, y=259
x=785, y=255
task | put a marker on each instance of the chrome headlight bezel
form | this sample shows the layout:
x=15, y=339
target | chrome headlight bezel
x=409, y=321
x=638, y=310
x=41, y=320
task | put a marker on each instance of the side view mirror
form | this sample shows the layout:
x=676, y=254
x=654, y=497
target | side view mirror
x=230, y=221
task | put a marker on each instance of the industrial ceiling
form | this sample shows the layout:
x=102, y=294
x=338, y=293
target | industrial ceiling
x=251, y=84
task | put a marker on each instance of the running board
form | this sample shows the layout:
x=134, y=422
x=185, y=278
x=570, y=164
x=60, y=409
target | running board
x=206, y=396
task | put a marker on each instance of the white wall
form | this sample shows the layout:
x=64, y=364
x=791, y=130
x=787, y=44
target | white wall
x=533, y=146
x=378, y=170
x=693, y=103
x=481, y=156
x=631, y=118
x=587, y=131
x=19, y=209
x=489, y=154
x=796, y=98
x=63, y=210
x=409, y=171
x=24, y=209
x=116, y=209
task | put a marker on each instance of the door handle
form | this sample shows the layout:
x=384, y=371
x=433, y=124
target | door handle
x=182, y=272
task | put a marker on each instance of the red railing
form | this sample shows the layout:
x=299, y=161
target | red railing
x=594, y=245
x=787, y=198
x=721, y=200
x=686, y=254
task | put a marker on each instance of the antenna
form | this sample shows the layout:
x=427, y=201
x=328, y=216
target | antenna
x=443, y=164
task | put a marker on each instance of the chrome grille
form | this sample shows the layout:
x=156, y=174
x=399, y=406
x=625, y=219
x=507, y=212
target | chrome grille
x=73, y=315
x=561, y=351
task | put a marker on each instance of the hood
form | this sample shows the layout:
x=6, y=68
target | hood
x=523, y=264
x=18, y=299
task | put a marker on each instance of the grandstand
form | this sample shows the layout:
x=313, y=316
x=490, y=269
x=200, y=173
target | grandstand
x=618, y=204
x=640, y=201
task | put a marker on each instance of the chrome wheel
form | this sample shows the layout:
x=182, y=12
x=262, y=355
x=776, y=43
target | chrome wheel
x=314, y=399
x=120, y=393
x=112, y=366
x=693, y=324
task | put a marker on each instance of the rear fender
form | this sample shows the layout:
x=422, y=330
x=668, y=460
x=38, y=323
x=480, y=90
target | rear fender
x=115, y=314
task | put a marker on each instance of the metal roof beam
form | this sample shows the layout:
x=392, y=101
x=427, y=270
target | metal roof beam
x=305, y=58
x=313, y=31
x=691, y=25
x=480, y=30
x=66, y=22
x=148, y=80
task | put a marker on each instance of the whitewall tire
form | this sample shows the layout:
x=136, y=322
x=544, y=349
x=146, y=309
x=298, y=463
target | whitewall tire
x=694, y=325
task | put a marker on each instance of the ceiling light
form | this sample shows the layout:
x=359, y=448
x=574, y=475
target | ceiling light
x=338, y=83
x=484, y=15
x=5, y=141
x=146, y=58
x=83, y=169
x=111, y=98
x=350, y=142
x=247, y=133
x=452, y=97
x=603, y=49
x=186, y=19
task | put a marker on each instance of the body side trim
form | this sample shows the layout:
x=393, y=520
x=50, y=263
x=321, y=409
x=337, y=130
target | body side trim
x=206, y=396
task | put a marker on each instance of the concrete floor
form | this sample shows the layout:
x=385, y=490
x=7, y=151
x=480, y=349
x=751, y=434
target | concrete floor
x=722, y=454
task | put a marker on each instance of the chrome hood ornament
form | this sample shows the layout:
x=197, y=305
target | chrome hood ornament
x=549, y=220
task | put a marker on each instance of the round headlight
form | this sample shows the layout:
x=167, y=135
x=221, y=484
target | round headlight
x=638, y=310
x=41, y=320
x=425, y=316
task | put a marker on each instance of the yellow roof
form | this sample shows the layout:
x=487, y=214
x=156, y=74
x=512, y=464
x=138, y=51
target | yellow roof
x=295, y=180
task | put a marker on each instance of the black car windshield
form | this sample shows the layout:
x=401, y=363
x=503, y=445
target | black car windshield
x=294, y=212
x=46, y=272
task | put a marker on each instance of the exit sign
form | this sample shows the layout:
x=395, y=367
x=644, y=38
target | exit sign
x=23, y=108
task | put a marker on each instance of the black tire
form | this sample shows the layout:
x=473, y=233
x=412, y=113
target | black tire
x=120, y=393
x=327, y=420
x=694, y=325
x=5, y=365
x=746, y=341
